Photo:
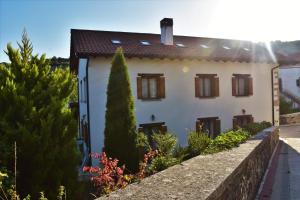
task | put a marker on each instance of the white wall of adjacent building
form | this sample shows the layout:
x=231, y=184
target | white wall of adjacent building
x=289, y=75
x=180, y=109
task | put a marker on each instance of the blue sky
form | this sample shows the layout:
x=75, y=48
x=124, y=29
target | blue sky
x=48, y=22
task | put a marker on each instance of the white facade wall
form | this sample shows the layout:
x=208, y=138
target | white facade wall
x=180, y=109
x=288, y=76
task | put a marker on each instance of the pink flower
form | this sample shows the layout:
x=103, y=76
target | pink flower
x=86, y=169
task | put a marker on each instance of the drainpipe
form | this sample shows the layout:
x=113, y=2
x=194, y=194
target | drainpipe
x=272, y=83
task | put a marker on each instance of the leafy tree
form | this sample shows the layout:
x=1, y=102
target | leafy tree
x=34, y=112
x=120, y=123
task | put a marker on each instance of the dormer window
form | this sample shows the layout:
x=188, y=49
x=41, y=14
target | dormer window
x=226, y=47
x=145, y=42
x=204, y=46
x=115, y=41
x=180, y=45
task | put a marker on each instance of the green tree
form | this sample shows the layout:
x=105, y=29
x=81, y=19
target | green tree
x=120, y=123
x=34, y=112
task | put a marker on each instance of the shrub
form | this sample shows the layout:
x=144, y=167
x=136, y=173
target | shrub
x=34, y=114
x=142, y=144
x=197, y=143
x=108, y=178
x=181, y=153
x=286, y=107
x=161, y=162
x=120, y=123
x=165, y=143
x=228, y=140
x=144, y=166
x=255, y=127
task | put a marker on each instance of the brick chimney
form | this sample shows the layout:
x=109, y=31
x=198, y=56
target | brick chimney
x=166, y=27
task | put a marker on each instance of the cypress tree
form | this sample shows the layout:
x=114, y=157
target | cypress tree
x=120, y=123
x=34, y=112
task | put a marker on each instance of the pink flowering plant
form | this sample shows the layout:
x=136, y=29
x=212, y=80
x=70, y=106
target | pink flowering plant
x=109, y=177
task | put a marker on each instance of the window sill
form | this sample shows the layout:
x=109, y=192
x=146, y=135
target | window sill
x=157, y=99
x=210, y=97
x=242, y=95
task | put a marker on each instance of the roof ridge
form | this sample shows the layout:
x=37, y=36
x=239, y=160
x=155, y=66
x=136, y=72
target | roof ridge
x=157, y=34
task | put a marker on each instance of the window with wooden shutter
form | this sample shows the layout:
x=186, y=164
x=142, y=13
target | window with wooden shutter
x=206, y=85
x=240, y=121
x=242, y=85
x=150, y=86
x=209, y=125
x=150, y=128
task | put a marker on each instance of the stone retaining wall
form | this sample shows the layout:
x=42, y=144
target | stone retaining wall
x=293, y=118
x=234, y=174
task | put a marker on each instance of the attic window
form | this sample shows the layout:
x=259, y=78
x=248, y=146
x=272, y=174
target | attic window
x=114, y=41
x=246, y=49
x=226, y=47
x=204, y=46
x=145, y=42
x=180, y=45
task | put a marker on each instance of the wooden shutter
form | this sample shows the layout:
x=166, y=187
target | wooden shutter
x=233, y=86
x=250, y=86
x=161, y=83
x=164, y=129
x=198, y=123
x=215, y=86
x=139, y=87
x=234, y=123
x=217, y=128
x=197, y=87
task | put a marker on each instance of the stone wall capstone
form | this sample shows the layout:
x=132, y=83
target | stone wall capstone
x=230, y=175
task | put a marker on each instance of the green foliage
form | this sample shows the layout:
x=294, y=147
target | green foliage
x=161, y=162
x=181, y=153
x=228, y=140
x=165, y=143
x=197, y=143
x=120, y=123
x=34, y=113
x=255, y=127
x=142, y=142
x=286, y=107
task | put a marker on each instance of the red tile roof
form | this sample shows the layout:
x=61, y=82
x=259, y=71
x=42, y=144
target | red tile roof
x=98, y=43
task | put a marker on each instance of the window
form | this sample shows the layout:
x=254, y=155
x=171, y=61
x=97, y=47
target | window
x=180, y=45
x=144, y=42
x=115, y=41
x=204, y=46
x=83, y=90
x=241, y=121
x=210, y=126
x=226, y=47
x=151, y=128
x=206, y=85
x=298, y=82
x=242, y=85
x=150, y=86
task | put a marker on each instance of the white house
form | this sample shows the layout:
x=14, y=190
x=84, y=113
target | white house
x=290, y=83
x=178, y=82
